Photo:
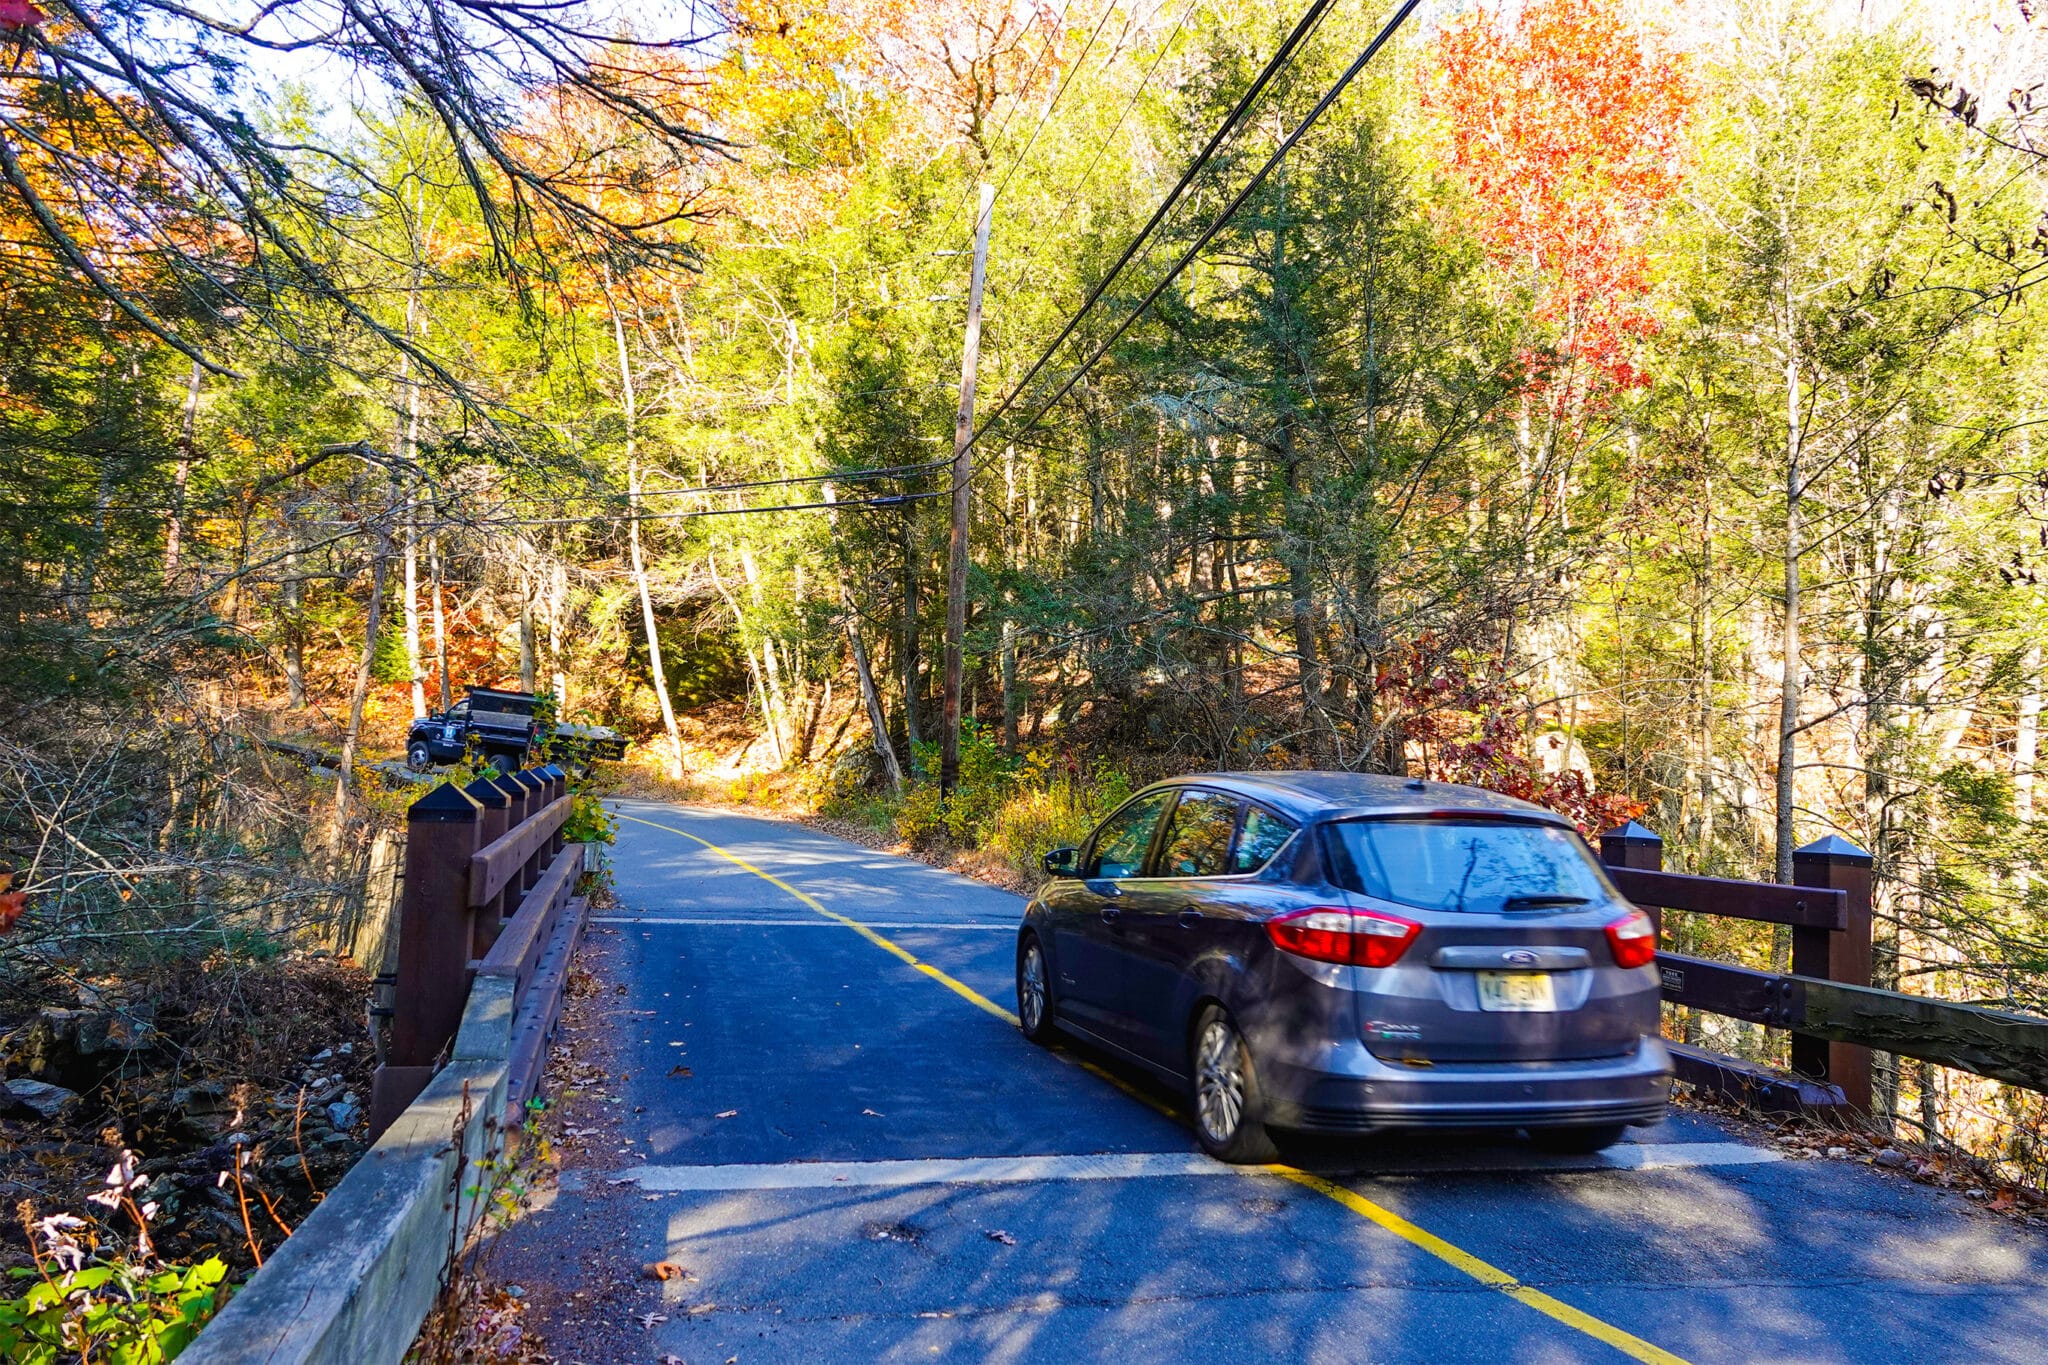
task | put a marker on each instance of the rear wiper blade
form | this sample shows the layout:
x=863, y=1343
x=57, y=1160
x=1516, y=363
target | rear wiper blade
x=1542, y=902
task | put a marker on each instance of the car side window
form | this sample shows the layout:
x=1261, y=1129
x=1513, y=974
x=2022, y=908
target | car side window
x=1121, y=843
x=1262, y=836
x=1198, y=835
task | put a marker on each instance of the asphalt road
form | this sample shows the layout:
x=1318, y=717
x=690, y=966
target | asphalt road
x=858, y=1159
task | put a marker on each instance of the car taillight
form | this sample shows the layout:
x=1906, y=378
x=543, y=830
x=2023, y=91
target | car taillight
x=1356, y=938
x=1633, y=939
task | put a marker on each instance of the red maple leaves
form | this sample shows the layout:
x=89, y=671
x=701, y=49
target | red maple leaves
x=12, y=903
x=1462, y=715
x=1567, y=125
x=19, y=14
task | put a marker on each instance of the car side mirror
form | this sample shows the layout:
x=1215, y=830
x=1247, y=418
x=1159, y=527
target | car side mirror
x=1060, y=862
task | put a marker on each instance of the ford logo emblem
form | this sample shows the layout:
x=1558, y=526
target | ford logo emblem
x=1520, y=957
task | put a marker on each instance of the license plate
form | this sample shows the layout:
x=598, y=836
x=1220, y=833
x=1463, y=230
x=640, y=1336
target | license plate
x=1516, y=991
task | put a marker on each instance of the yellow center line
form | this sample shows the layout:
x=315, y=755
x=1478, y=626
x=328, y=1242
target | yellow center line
x=1634, y=1347
x=961, y=988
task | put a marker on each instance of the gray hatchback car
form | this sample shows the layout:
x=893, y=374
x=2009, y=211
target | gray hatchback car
x=1348, y=953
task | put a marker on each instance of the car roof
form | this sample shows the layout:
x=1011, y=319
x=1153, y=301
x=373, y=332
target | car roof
x=1307, y=795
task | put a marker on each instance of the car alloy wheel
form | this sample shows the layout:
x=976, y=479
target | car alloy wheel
x=419, y=758
x=1228, y=1106
x=1219, y=1081
x=1034, y=998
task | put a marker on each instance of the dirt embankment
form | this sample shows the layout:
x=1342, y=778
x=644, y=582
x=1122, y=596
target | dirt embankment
x=242, y=1088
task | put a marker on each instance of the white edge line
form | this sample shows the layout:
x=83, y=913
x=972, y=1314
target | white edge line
x=819, y=1175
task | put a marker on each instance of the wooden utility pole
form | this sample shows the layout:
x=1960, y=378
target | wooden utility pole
x=963, y=469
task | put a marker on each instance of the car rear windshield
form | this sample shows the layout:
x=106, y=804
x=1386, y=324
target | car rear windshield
x=1474, y=866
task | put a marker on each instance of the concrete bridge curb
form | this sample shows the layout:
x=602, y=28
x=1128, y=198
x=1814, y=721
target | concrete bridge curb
x=355, y=1280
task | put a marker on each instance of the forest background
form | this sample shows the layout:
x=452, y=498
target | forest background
x=1628, y=405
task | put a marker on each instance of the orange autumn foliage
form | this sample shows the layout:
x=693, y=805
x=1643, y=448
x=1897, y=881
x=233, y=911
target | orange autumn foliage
x=1567, y=125
x=947, y=62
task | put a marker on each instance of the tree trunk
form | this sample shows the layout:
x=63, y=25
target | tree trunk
x=2026, y=742
x=407, y=446
x=352, y=738
x=639, y=566
x=870, y=695
x=912, y=682
x=413, y=666
x=1010, y=694
x=188, y=422
x=526, y=659
x=294, y=621
x=1788, y=681
x=440, y=619
x=774, y=701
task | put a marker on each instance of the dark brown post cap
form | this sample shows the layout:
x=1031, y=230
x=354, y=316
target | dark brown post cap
x=488, y=793
x=445, y=804
x=1834, y=848
x=1632, y=833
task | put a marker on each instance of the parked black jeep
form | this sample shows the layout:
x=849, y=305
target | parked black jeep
x=509, y=728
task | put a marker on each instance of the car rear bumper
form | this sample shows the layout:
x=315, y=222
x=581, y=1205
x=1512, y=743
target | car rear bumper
x=1632, y=1089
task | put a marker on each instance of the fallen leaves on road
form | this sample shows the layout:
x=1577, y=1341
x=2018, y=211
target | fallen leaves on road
x=662, y=1270
x=1818, y=1138
x=730, y=1113
x=998, y=1235
x=873, y=1115
x=679, y=1071
x=647, y=1320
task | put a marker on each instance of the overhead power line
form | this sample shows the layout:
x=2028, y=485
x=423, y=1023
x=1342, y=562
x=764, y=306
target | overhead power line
x=1067, y=203
x=1217, y=224
x=621, y=518
x=1054, y=103
x=1279, y=60
x=848, y=475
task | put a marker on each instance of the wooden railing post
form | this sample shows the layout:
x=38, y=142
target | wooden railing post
x=515, y=792
x=492, y=821
x=536, y=801
x=558, y=787
x=433, y=946
x=1841, y=956
x=1632, y=846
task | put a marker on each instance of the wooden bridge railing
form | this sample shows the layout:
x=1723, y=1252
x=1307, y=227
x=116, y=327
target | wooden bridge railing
x=488, y=879
x=1826, y=1000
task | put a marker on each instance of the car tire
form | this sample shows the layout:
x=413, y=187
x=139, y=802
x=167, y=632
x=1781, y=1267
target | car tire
x=1580, y=1140
x=1034, y=992
x=418, y=756
x=1226, y=1102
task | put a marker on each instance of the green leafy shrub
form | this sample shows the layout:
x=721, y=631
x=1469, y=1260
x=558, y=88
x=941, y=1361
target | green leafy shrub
x=589, y=822
x=1055, y=810
x=988, y=778
x=1017, y=807
x=109, y=1310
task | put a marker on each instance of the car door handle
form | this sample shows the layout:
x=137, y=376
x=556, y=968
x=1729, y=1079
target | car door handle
x=1190, y=917
x=1110, y=914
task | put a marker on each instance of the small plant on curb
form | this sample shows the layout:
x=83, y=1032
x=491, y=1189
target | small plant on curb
x=589, y=822
x=475, y=1320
